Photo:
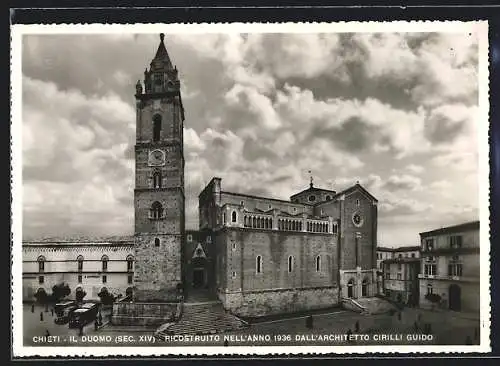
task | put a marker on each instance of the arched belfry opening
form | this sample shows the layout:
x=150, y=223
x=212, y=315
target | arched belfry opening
x=156, y=128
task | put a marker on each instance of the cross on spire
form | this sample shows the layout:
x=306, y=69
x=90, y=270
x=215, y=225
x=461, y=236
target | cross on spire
x=311, y=179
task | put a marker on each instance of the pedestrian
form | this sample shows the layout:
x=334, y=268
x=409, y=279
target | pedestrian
x=356, y=326
x=47, y=334
x=468, y=341
x=96, y=325
x=100, y=318
x=41, y=316
x=349, y=333
x=226, y=343
x=309, y=322
x=32, y=308
x=52, y=311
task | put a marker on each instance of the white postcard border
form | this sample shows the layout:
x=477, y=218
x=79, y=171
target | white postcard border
x=17, y=32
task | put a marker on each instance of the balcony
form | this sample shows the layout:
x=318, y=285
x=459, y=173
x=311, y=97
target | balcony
x=449, y=251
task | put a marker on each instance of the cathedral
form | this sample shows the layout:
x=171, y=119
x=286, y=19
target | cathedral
x=256, y=255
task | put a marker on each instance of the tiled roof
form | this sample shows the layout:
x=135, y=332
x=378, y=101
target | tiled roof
x=468, y=226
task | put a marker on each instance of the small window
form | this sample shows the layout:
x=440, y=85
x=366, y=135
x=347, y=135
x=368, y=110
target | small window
x=400, y=256
x=104, y=260
x=157, y=242
x=130, y=263
x=80, y=263
x=80, y=277
x=270, y=206
x=318, y=263
x=399, y=276
x=242, y=203
x=312, y=198
x=290, y=263
x=157, y=180
x=104, y=279
x=429, y=289
x=234, y=217
x=189, y=237
x=234, y=245
x=130, y=279
x=233, y=274
x=328, y=197
x=357, y=203
x=295, y=209
x=41, y=263
x=258, y=264
x=41, y=279
x=413, y=255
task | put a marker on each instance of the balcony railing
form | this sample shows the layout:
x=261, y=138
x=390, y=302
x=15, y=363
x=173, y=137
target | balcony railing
x=284, y=223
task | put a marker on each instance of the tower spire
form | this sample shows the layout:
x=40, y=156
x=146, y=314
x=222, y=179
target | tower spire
x=162, y=54
x=311, y=179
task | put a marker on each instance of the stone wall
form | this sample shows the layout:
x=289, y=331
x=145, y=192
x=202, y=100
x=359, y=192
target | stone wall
x=157, y=269
x=144, y=314
x=261, y=303
x=238, y=250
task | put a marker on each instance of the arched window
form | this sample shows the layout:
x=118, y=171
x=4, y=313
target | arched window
x=429, y=289
x=156, y=210
x=41, y=263
x=258, y=264
x=350, y=288
x=328, y=198
x=157, y=242
x=318, y=263
x=157, y=179
x=156, y=127
x=80, y=262
x=357, y=202
x=290, y=263
x=104, y=261
x=130, y=263
x=233, y=216
x=224, y=218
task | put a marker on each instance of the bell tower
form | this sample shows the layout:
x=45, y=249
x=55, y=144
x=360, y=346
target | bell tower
x=159, y=181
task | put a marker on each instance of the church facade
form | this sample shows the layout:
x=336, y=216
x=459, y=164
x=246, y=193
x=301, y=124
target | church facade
x=257, y=255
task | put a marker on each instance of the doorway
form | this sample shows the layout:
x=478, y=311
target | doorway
x=364, y=288
x=198, y=277
x=454, y=296
x=350, y=289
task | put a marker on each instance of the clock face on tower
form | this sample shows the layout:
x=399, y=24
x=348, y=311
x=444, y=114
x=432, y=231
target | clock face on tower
x=357, y=219
x=156, y=158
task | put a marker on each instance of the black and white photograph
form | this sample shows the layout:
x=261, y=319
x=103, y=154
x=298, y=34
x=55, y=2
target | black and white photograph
x=250, y=189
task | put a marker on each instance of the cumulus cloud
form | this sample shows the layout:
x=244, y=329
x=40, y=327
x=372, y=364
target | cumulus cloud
x=261, y=111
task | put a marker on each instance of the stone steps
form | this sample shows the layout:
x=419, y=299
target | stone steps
x=375, y=305
x=203, y=318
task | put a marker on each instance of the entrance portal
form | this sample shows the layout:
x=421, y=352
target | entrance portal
x=350, y=289
x=198, y=278
x=364, y=287
x=454, y=296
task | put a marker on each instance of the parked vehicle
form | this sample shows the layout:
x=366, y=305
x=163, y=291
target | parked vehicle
x=59, y=307
x=64, y=316
x=85, y=314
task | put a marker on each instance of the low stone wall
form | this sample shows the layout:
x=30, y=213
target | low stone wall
x=144, y=314
x=281, y=301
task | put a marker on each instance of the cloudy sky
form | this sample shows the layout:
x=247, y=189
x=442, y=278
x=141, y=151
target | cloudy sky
x=398, y=112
